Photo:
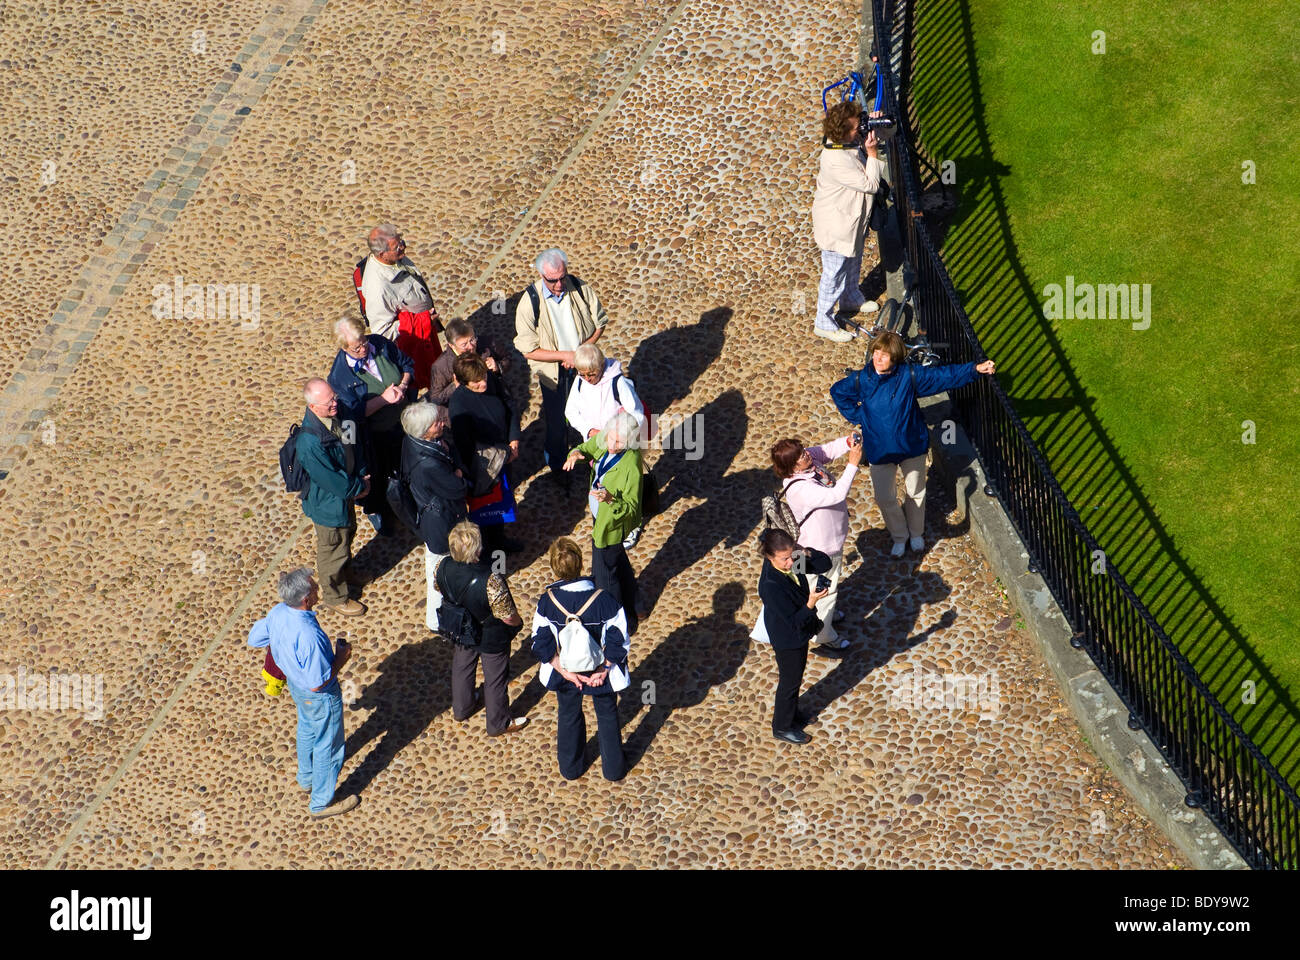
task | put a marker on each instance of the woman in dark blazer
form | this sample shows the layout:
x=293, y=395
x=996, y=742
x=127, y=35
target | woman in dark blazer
x=790, y=615
x=481, y=415
x=435, y=477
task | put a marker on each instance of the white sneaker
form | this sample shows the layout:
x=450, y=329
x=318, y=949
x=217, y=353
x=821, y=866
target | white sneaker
x=836, y=336
x=866, y=306
x=917, y=544
x=897, y=549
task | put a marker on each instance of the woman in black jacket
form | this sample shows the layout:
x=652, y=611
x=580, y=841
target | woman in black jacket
x=432, y=471
x=481, y=416
x=471, y=591
x=790, y=615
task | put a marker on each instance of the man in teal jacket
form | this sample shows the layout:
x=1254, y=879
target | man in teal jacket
x=330, y=451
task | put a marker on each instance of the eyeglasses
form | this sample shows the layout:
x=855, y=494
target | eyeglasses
x=547, y=280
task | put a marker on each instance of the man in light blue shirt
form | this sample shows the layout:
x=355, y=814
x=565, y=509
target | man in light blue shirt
x=302, y=651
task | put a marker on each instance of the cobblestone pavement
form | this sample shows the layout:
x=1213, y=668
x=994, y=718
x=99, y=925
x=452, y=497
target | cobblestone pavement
x=670, y=149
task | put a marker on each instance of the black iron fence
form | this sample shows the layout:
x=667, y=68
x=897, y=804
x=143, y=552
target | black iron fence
x=1224, y=772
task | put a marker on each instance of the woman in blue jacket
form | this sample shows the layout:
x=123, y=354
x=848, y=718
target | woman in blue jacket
x=881, y=400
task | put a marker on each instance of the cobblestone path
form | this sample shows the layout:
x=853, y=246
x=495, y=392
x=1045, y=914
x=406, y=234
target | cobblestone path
x=670, y=148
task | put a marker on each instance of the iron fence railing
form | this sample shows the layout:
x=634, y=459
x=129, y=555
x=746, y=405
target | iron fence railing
x=1223, y=770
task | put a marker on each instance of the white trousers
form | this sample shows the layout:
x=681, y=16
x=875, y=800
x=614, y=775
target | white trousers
x=434, y=600
x=826, y=605
x=840, y=281
x=909, y=519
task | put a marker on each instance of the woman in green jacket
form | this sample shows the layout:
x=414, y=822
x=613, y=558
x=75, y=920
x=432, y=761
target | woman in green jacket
x=615, y=498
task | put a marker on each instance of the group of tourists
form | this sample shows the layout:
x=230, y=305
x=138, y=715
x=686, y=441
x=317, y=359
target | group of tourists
x=440, y=465
x=807, y=522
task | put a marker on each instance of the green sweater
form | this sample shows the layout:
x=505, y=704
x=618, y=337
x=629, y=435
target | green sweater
x=616, y=518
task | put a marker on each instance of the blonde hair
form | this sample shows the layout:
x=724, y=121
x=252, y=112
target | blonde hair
x=465, y=542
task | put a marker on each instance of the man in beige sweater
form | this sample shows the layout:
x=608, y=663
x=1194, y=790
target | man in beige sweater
x=557, y=314
x=848, y=181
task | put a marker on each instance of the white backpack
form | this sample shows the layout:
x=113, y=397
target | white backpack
x=579, y=651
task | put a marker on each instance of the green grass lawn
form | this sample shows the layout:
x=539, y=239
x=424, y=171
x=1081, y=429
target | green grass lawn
x=1126, y=167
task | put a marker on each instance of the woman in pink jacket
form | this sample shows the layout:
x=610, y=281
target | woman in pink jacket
x=819, y=503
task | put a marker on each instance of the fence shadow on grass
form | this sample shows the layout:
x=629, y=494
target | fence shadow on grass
x=949, y=113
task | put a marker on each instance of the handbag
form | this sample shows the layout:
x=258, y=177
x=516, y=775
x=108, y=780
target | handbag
x=489, y=461
x=456, y=623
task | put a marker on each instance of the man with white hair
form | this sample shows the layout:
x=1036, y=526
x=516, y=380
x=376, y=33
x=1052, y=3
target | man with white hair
x=396, y=302
x=557, y=314
x=330, y=449
x=311, y=668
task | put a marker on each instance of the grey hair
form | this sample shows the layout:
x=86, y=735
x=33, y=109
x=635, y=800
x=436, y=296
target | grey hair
x=355, y=330
x=417, y=418
x=382, y=234
x=588, y=358
x=313, y=386
x=295, y=585
x=624, y=426
x=553, y=258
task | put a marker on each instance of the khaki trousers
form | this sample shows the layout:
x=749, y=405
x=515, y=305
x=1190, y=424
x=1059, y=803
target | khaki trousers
x=909, y=519
x=333, y=552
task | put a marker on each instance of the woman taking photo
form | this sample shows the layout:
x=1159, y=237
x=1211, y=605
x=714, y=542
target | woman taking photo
x=820, y=507
x=790, y=615
x=848, y=181
x=881, y=400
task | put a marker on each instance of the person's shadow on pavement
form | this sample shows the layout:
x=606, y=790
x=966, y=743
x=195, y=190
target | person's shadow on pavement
x=413, y=687
x=882, y=604
x=701, y=654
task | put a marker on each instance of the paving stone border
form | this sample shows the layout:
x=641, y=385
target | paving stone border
x=1098, y=710
x=55, y=353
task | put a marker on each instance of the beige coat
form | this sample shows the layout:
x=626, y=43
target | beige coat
x=846, y=189
x=534, y=333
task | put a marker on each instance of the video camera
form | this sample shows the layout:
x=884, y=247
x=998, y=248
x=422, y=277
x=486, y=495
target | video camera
x=885, y=125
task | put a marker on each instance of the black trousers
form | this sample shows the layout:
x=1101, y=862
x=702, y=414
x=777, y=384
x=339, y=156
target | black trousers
x=559, y=435
x=790, y=665
x=612, y=572
x=496, y=674
x=571, y=736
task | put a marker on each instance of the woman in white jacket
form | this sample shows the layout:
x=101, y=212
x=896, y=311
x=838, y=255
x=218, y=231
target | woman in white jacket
x=600, y=390
x=847, y=183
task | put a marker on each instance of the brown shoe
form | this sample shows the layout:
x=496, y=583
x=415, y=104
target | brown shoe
x=338, y=806
x=349, y=608
x=518, y=723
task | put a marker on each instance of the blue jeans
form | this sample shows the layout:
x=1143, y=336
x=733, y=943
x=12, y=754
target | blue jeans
x=320, y=741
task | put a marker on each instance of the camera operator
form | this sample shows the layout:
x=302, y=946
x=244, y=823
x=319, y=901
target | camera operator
x=850, y=186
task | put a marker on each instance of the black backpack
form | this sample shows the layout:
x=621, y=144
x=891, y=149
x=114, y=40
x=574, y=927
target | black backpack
x=295, y=477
